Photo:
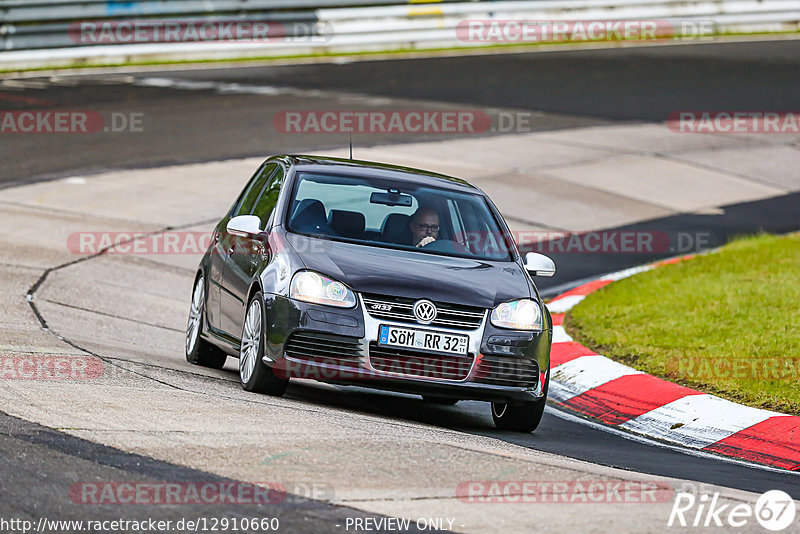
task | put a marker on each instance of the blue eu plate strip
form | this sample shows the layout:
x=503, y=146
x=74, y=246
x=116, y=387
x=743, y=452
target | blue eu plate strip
x=384, y=336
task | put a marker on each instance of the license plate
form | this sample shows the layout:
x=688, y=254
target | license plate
x=394, y=336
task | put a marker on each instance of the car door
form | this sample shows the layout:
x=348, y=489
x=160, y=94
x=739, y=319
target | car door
x=247, y=256
x=216, y=266
x=222, y=242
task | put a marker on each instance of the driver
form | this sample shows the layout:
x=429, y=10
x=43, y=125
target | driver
x=424, y=225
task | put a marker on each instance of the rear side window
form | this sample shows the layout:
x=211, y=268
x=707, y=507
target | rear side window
x=254, y=189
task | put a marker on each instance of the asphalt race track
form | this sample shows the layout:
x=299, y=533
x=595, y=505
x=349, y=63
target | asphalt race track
x=569, y=89
x=40, y=463
x=212, y=114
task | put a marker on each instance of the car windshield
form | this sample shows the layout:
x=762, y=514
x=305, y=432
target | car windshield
x=396, y=214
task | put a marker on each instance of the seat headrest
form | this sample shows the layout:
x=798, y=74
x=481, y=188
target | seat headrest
x=309, y=216
x=395, y=228
x=347, y=223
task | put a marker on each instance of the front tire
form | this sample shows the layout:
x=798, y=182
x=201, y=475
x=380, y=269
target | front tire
x=523, y=417
x=198, y=350
x=254, y=374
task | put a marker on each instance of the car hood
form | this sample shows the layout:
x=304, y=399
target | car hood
x=414, y=274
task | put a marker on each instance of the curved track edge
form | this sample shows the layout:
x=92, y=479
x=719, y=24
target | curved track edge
x=625, y=398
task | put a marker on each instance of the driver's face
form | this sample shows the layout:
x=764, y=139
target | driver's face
x=425, y=224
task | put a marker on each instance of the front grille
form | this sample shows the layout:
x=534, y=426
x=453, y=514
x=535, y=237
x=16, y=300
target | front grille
x=505, y=371
x=401, y=309
x=325, y=348
x=419, y=365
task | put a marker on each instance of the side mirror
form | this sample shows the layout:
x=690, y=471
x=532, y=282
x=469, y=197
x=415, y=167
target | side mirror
x=244, y=226
x=539, y=264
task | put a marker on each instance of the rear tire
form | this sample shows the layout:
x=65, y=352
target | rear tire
x=523, y=417
x=198, y=350
x=254, y=374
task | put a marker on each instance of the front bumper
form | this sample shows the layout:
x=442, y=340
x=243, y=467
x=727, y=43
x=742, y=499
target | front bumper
x=340, y=346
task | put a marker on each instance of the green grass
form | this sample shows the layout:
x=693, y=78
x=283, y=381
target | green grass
x=726, y=323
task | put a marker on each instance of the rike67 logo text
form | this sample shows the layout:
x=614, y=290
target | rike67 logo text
x=774, y=510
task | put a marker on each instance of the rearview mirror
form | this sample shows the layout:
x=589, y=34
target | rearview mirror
x=539, y=264
x=244, y=226
x=392, y=198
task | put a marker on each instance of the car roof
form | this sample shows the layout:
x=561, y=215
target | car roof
x=374, y=169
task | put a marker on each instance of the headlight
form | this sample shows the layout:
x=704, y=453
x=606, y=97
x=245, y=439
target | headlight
x=309, y=286
x=521, y=314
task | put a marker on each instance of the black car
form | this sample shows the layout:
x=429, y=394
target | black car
x=361, y=273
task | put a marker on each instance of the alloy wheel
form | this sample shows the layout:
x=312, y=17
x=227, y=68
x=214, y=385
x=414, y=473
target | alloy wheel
x=195, y=316
x=251, y=342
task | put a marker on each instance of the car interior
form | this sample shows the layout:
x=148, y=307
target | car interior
x=311, y=217
x=324, y=207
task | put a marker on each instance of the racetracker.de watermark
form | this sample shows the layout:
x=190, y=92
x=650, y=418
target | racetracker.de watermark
x=50, y=367
x=407, y=121
x=700, y=368
x=184, y=242
x=555, y=31
x=600, y=242
x=190, y=31
x=176, y=493
x=567, y=492
x=197, y=493
x=141, y=243
x=492, y=243
x=69, y=122
x=432, y=368
x=734, y=122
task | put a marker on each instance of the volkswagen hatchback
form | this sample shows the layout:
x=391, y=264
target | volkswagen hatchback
x=360, y=273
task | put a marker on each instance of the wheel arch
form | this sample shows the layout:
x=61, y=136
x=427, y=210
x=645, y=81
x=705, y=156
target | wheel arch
x=255, y=287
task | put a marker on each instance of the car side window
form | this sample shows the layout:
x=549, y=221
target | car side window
x=257, y=184
x=265, y=204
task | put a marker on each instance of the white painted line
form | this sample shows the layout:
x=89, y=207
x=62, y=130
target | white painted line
x=566, y=416
x=225, y=88
x=559, y=392
x=587, y=372
x=627, y=272
x=22, y=84
x=697, y=420
x=560, y=335
x=564, y=304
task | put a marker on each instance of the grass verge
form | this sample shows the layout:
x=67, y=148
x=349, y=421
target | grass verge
x=726, y=323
